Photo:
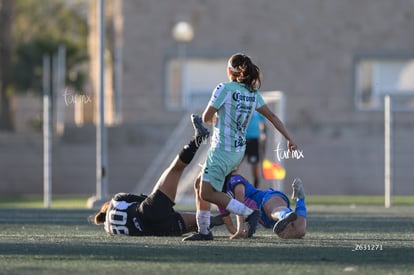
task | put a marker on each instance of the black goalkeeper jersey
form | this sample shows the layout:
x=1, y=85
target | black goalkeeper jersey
x=122, y=217
x=139, y=215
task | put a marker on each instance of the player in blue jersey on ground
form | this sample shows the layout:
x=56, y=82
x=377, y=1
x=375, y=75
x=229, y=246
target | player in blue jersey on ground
x=230, y=109
x=274, y=206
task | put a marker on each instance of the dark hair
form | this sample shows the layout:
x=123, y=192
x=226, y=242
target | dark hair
x=101, y=215
x=246, y=71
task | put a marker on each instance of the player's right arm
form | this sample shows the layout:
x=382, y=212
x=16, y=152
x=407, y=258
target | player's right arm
x=209, y=115
x=216, y=101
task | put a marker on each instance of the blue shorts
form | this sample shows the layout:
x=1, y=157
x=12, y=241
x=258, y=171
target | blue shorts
x=218, y=165
x=269, y=193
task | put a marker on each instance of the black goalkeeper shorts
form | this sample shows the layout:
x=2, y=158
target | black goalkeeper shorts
x=159, y=216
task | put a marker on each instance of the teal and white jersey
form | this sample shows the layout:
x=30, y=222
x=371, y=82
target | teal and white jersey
x=235, y=104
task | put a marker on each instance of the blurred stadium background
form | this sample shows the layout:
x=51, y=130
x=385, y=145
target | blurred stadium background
x=334, y=60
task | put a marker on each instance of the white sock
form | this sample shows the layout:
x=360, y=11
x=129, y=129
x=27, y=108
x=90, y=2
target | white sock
x=238, y=208
x=203, y=221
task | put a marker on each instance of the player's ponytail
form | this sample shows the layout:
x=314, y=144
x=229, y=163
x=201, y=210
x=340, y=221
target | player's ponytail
x=101, y=215
x=243, y=70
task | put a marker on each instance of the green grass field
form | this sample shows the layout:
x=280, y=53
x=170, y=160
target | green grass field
x=59, y=201
x=342, y=239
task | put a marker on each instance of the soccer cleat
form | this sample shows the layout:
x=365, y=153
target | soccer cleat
x=252, y=221
x=281, y=224
x=217, y=220
x=199, y=237
x=200, y=130
x=298, y=190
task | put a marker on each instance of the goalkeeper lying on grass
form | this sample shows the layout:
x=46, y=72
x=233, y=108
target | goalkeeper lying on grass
x=154, y=215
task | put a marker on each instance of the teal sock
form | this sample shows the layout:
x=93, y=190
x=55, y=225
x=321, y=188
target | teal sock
x=283, y=212
x=301, y=207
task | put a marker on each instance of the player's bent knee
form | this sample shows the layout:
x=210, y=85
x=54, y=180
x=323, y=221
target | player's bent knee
x=197, y=183
x=206, y=193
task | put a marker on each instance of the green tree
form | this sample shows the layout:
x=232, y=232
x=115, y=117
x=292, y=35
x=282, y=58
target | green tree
x=6, y=117
x=38, y=28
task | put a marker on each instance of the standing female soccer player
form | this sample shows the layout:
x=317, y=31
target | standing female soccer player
x=230, y=109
